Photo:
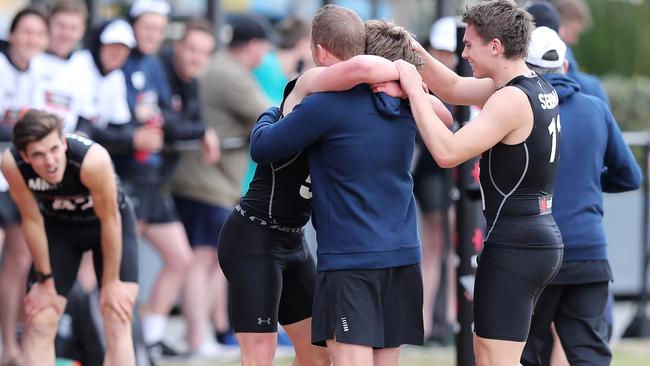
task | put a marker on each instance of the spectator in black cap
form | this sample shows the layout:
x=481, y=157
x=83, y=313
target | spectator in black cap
x=231, y=102
x=544, y=14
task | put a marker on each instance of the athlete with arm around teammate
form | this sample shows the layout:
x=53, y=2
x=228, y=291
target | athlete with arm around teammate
x=60, y=181
x=517, y=133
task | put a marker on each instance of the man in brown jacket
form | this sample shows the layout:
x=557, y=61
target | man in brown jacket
x=206, y=194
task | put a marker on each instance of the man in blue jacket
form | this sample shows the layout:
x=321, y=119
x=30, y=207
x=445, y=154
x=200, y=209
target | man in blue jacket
x=368, y=295
x=595, y=159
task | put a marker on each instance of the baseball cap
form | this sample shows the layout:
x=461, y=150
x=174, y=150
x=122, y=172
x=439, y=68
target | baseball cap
x=546, y=49
x=443, y=34
x=118, y=31
x=140, y=7
x=544, y=14
x=246, y=27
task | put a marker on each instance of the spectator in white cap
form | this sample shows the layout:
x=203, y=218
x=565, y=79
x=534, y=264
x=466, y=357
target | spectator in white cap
x=149, y=19
x=595, y=159
x=144, y=170
x=442, y=41
x=546, y=52
x=108, y=50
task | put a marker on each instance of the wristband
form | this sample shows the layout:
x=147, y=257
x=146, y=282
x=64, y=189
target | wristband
x=42, y=277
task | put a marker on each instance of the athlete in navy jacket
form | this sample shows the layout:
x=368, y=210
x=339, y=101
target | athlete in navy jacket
x=359, y=160
x=359, y=145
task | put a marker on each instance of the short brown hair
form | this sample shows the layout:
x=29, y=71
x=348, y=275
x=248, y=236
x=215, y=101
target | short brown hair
x=292, y=30
x=573, y=10
x=505, y=21
x=339, y=30
x=390, y=41
x=34, y=126
x=199, y=25
x=70, y=6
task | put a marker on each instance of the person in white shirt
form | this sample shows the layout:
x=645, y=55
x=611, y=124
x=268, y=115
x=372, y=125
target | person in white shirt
x=28, y=36
x=108, y=49
x=62, y=84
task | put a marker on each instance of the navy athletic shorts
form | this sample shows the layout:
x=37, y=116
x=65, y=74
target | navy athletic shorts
x=9, y=213
x=379, y=308
x=579, y=313
x=151, y=205
x=271, y=275
x=202, y=221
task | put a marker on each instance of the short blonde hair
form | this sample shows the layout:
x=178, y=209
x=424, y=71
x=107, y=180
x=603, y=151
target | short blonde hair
x=339, y=30
x=390, y=41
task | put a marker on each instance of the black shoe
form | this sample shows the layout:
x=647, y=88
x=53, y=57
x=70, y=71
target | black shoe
x=161, y=350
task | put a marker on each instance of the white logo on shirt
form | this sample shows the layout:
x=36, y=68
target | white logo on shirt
x=38, y=184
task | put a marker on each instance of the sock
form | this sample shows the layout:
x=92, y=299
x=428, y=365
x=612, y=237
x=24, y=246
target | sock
x=153, y=328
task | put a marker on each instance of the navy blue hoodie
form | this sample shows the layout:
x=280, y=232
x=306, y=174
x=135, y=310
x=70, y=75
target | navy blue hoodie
x=589, y=84
x=595, y=159
x=359, y=147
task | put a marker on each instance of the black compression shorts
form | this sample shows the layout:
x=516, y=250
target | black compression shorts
x=433, y=191
x=151, y=205
x=271, y=275
x=68, y=242
x=379, y=308
x=509, y=280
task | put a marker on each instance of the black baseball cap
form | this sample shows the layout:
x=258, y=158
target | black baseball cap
x=246, y=27
x=544, y=14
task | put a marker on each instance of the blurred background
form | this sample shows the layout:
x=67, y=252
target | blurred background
x=614, y=46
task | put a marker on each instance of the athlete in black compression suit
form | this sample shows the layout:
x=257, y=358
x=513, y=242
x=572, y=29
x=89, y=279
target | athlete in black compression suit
x=517, y=133
x=265, y=258
x=523, y=246
x=69, y=201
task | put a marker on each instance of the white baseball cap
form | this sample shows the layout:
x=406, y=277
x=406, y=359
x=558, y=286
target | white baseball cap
x=443, y=34
x=118, y=31
x=546, y=49
x=140, y=7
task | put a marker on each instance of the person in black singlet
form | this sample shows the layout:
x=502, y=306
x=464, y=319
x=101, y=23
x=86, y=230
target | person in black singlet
x=517, y=133
x=265, y=258
x=70, y=202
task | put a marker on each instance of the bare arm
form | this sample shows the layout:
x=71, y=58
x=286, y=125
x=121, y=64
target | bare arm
x=505, y=113
x=450, y=87
x=394, y=89
x=41, y=295
x=32, y=219
x=441, y=111
x=361, y=69
x=98, y=176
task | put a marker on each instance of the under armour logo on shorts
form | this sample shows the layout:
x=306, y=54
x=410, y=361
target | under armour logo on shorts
x=344, y=322
x=260, y=321
x=305, y=189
